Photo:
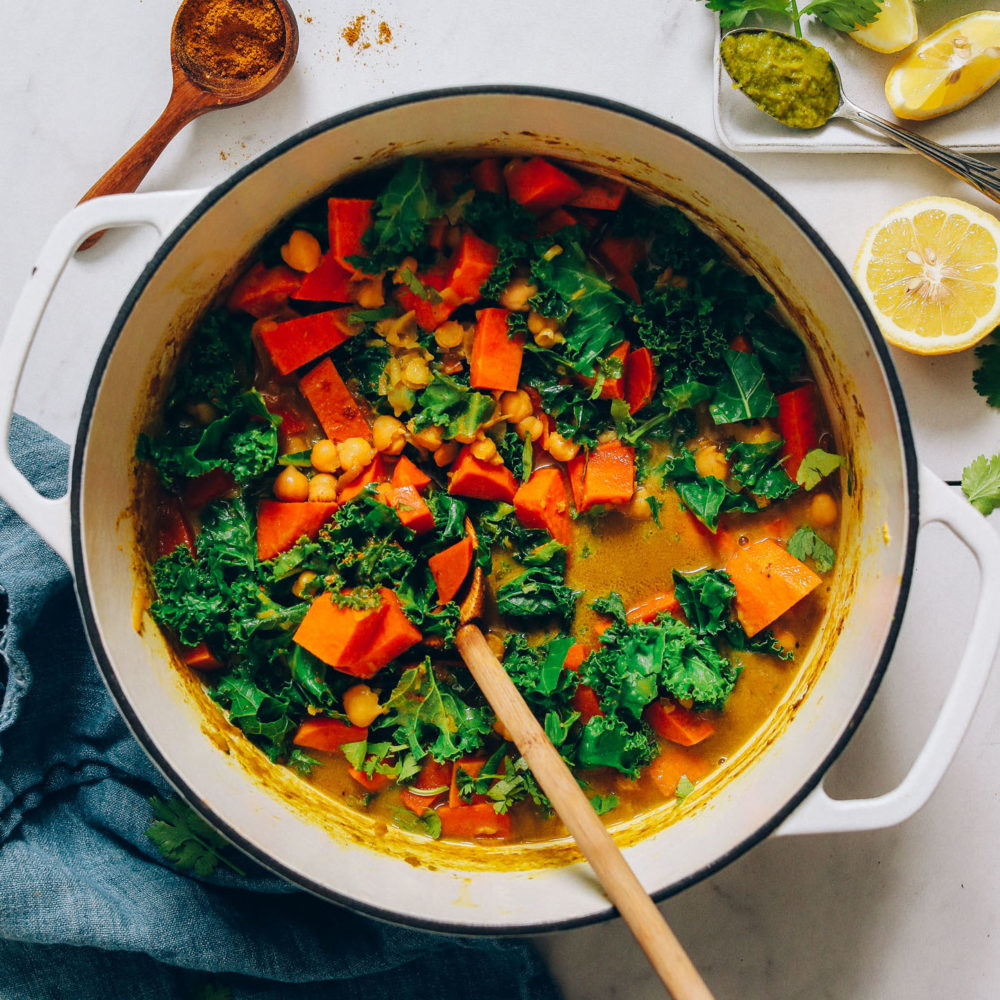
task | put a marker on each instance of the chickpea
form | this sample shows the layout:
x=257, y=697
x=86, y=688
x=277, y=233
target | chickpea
x=709, y=461
x=530, y=427
x=361, y=705
x=638, y=508
x=302, y=581
x=291, y=485
x=449, y=335
x=515, y=406
x=822, y=510
x=537, y=322
x=263, y=326
x=446, y=454
x=406, y=264
x=785, y=639
x=559, y=448
x=369, y=293
x=323, y=488
x=416, y=374
x=388, y=435
x=548, y=337
x=296, y=442
x=356, y=454
x=203, y=412
x=495, y=641
x=400, y=399
x=302, y=251
x=515, y=296
x=429, y=437
x=484, y=449
x=502, y=731
x=324, y=456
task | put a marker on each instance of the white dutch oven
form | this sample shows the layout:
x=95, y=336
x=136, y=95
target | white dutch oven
x=773, y=785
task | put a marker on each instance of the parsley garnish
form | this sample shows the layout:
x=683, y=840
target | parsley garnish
x=844, y=15
x=817, y=465
x=185, y=839
x=806, y=544
x=981, y=483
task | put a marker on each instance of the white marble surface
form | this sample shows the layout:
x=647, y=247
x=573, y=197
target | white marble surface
x=911, y=912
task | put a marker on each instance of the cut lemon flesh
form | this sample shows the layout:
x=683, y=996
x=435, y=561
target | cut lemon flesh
x=948, y=69
x=893, y=29
x=930, y=272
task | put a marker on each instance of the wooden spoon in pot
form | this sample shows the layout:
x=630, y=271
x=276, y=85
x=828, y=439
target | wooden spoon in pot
x=657, y=940
x=222, y=53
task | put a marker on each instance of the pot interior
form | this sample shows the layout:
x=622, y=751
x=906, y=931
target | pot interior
x=277, y=817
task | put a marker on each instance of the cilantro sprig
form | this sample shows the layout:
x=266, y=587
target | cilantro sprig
x=185, y=839
x=843, y=15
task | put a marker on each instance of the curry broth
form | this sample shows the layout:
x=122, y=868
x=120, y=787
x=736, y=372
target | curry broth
x=630, y=549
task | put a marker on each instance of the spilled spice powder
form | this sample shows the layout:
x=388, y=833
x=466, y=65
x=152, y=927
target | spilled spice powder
x=384, y=33
x=230, y=39
x=352, y=32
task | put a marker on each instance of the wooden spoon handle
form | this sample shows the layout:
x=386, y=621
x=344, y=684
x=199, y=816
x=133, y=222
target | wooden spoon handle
x=657, y=940
x=186, y=103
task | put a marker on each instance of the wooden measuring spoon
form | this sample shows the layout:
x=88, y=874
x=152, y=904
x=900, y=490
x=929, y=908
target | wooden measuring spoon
x=197, y=88
x=657, y=940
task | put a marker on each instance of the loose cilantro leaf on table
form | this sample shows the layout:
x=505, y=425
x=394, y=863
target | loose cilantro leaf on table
x=986, y=378
x=981, y=483
x=185, y=839
x=816, y=466
x=806, y=544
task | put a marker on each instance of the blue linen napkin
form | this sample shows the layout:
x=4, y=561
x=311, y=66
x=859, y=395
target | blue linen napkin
x=88, y=907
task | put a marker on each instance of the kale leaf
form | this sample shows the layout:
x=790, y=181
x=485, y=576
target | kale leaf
x=743, y=393
x=759, y=468
x=539, y=592
x=402, y=211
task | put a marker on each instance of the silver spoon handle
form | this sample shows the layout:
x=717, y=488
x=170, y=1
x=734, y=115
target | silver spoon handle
x=980, y=175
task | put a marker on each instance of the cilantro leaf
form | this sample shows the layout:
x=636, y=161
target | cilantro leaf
x=986, y=378
x=806, y=544
x=844, y=15
x=981, y=483
x=604, y=803
x=816, y=466
x=185, y=839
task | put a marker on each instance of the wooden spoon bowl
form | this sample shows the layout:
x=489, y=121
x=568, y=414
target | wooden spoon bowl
x=196, y=90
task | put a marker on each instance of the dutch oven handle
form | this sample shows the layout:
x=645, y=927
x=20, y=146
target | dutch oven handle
x=819, y=813
x=51, y=518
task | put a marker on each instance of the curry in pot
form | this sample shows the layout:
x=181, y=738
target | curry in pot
x=519, y=367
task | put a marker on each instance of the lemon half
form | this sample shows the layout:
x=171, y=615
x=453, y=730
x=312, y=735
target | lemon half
x=948, y=69
x=893, y=29
x=930, y=271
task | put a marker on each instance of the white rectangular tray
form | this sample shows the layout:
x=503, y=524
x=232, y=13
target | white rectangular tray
x=746, y=129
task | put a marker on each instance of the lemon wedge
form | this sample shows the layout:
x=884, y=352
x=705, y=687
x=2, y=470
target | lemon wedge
x=947, y=69
x=893, y=29
x=930, y=271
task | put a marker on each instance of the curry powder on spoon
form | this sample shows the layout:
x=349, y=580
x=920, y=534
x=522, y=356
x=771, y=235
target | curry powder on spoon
x=230, y=39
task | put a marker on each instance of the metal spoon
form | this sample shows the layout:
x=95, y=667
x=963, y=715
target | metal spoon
x=196, y=89
x=665, y=953
x=983, y=177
